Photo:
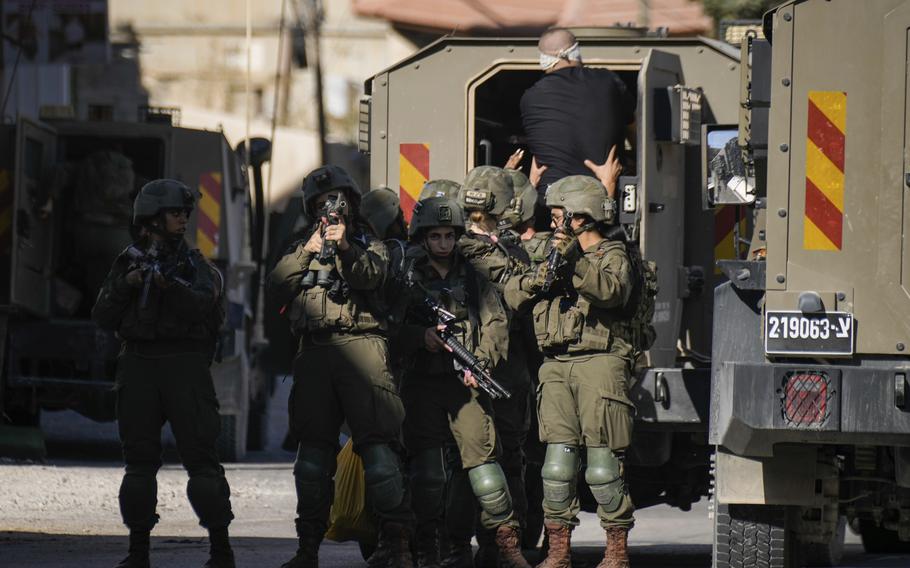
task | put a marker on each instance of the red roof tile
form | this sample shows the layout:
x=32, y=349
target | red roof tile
x=681, y=17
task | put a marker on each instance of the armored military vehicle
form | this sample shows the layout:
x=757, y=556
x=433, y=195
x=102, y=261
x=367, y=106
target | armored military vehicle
x=809, y=407
x=66, y=189
x=455, y=105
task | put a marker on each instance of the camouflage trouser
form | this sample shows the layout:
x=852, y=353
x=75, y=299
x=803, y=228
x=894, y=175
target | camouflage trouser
x=177, y=389
x=512, y=417
x=584, y=401
x=346, y=379
x=439, y=407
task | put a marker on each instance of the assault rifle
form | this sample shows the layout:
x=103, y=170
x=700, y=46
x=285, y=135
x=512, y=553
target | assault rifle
x=150, y=262
x=464, y=359
x=333, y=208
x=554, y=258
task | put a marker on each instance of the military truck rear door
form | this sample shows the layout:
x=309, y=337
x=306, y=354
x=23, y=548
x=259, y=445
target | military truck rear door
x=661, y=166
x=33, y=225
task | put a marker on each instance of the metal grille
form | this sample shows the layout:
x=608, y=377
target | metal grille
x=805, y=399
x=363, y=133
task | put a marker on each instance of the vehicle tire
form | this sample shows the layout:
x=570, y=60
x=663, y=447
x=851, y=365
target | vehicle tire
x=879, y=540
x=257, y=438
x=231, y=444
x=826, y=554
x=747, y=536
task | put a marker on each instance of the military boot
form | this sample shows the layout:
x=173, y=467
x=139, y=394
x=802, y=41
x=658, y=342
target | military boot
x=426, y=546
x=220, y=561
x=309, y=537
x=394, y=548
x=559, y=554
x=134, y=561
x=457, y=554
x=616, y=554
x=220, y=553
x=138, y=556
x=508, y=540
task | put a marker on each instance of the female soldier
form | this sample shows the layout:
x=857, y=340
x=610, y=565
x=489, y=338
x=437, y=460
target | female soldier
x=436, y=402
x=163, y=300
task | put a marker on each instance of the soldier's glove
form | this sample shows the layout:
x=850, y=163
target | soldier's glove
x=568, y=248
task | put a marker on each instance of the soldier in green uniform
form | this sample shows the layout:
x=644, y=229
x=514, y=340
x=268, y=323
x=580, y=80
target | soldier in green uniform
x=341, y=371
x=382, y=212
x=522, y=218
x=436, y=401
x=169, y=328
x=583, y=398
x=535, y=244
x=495, y=251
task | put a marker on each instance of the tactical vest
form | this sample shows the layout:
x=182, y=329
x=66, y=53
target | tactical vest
x=566, y=322
x=326, y=304
x=158, y=321
x=460, y=298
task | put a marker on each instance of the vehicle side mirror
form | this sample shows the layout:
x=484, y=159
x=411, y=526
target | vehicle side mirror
x=726, y=177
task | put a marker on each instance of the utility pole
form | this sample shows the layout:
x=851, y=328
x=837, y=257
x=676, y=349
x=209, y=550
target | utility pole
x=316, y=17
x=644, y=13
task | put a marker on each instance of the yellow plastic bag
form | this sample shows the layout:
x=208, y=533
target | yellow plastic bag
x=349, y=519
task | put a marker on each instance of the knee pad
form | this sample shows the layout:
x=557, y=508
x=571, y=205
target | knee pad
x=560, y=468
x=210, y=497
x=313, y=480
x=428, y=482
x=488, y=483
x=139, y=499
x=382, y=474
x=604, y=477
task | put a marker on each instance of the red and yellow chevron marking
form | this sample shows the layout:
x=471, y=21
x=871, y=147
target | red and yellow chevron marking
x=725, y=245
x=413, y=172
x=208, y=221
x=823, y=226
x=6, y=212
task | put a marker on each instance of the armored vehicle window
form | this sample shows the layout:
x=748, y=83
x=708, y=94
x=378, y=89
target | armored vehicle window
x=498, y=130
x=101, y=176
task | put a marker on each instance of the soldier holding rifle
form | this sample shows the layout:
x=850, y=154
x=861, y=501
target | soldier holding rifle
x=164, y=302
x=436, y=401
x=331, y=284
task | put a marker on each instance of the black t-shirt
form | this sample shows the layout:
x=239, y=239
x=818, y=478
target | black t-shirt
x=574, y=114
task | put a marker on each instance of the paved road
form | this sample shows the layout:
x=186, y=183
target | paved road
x=63, y=514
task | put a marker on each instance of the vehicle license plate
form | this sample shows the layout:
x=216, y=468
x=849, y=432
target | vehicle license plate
x=796, y=333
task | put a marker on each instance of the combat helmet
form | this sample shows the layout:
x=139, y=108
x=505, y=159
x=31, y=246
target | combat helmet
x=325, y=179
x=488, y=189
x=380, y=208
x=522, y=206
x=440, y=188
x=160, y=195
x=436, y=212
x=582, y=195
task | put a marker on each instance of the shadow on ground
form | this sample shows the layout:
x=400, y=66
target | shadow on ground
x=33, y=550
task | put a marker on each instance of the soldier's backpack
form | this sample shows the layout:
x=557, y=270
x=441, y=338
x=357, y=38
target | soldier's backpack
x=639, y=310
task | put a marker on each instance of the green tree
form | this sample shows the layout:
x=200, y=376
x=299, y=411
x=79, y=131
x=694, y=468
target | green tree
x=738, y=9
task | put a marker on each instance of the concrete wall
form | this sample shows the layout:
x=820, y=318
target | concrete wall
x=192, y=55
